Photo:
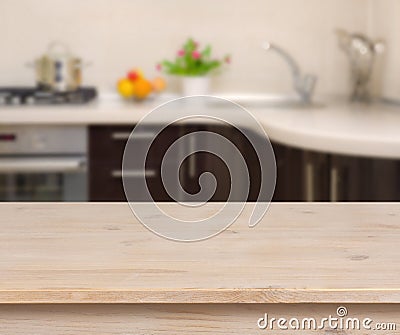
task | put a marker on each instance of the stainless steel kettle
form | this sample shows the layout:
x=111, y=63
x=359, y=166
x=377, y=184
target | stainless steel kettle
x=361, y=52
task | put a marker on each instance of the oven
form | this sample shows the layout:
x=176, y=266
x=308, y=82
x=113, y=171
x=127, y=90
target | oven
x=43, y=163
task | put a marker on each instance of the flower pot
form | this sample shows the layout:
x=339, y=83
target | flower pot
x=195, y=85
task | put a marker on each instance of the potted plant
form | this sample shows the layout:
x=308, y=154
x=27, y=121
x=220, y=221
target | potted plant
x=194, y=66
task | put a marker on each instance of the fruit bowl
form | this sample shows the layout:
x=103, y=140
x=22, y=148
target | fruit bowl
x=135, y=86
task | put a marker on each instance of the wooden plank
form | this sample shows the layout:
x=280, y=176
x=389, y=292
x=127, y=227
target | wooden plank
x=183, y=319
x=300, y=253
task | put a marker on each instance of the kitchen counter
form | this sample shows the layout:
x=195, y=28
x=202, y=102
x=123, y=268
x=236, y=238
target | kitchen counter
x=340, y=128
x=299, y=253
x=93, y=269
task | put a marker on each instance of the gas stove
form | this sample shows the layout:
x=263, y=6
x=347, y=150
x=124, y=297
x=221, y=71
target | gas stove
x=38, y=96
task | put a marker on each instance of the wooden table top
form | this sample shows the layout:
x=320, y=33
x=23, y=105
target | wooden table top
x=299, y=253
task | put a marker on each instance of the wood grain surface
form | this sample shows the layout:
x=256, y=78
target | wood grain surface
x=134, y=319
x=299, y=253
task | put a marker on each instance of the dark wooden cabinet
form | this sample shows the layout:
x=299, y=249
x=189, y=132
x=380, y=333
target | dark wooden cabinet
x=364, y=179
x=290, y=182
x=201, y=162
x=105, y=159
x=301, y=175
x=330, y=177
x=106, y=148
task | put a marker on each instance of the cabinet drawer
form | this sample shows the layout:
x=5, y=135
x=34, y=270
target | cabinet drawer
x=107, y=144
x=106, y=150
x=103, y=187
x=106, y=184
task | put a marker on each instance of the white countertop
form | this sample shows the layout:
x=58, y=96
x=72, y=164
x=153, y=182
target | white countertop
x=337, y=127
x=342, y=128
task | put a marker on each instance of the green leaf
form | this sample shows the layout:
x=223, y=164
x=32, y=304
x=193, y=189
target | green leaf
x=188, y=66
x=206, y=52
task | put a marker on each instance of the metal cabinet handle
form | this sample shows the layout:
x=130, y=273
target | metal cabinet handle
x=118, y=136
x=334, y=179
x=309, y=176
x=309, y=182
x=42, y=164
x=192, y=157
x=132, y=173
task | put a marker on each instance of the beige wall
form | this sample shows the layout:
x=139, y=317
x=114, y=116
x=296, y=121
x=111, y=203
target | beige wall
x=385, y=23
x=116, y=35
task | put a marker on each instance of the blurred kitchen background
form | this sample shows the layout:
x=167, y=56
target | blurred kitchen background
x=114, y=35
x=330, y=150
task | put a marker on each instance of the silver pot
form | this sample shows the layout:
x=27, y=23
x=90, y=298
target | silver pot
x=58, y=70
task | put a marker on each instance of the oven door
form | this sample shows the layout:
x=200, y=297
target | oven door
x=43, y=178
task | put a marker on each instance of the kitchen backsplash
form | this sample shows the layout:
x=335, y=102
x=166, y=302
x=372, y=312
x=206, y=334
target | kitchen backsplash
x=116, y=35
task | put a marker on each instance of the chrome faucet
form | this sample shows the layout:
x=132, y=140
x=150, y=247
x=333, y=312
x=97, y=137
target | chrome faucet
x=303, y=84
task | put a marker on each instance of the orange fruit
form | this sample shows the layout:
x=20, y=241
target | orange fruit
x=142, y=88
x=159, y=84
x=126, y=88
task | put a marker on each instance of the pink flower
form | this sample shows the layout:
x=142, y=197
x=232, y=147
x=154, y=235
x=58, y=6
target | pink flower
x=181, y=53
x=159, y=67
x=196, y=54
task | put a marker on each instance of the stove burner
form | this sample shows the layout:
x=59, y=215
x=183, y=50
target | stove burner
x=37, y=96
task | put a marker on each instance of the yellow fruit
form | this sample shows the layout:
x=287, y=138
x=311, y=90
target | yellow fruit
x=126, y=88
x=142, y=88
x=159, y=84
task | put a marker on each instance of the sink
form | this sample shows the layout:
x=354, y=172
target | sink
x=269, y=101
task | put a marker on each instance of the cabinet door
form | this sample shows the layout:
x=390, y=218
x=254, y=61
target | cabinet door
x=201, y=162
x=106, y=148
x=383, y=182
x=364, y=179
x=290, y=181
